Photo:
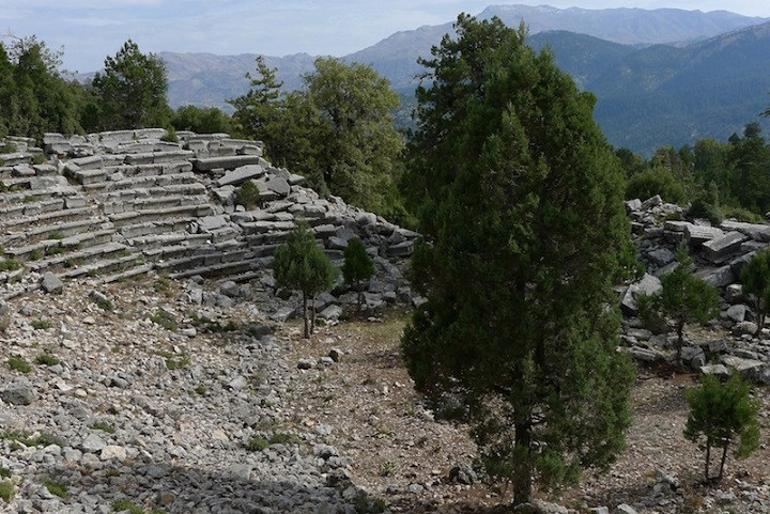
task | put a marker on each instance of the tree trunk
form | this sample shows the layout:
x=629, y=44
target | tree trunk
x=708, y=458
x=522, y=469
x=360, y=299
x=679, y=341
x=312, y=315
x=760, y=323
x=722, y=462
x=304, y=315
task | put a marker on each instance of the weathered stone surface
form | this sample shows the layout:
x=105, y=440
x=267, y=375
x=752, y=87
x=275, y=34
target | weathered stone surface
x=648, y=285
x=228, y=163
x=718, y=250
x=752, y=230
x=51, y=283
x=240, y=175
x=18, y=393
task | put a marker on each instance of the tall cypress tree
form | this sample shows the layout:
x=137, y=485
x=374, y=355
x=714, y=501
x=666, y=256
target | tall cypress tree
x=520, y=199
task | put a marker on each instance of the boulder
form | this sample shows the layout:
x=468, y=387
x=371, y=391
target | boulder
x=720, y=249
x=18, y=393
x=51, y=284
x=718, y=277
x=648, y=285
x=736, y=313
x=755, y=231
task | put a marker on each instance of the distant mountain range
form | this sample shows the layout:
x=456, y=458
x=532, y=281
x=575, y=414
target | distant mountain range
x=664, y=76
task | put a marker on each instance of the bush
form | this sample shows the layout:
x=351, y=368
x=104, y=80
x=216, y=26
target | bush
x=7, y=491
x=125, y=505
x=18, y=363
x=46, y=359
x=358, y=267
x=257, y=444
x=164, y=319
x=9, y=265
x=41, y=324
x=56, y=488
x=248, y=195
x=720, y=413
x=702, y=209
x=741, y=214
x=656, y=181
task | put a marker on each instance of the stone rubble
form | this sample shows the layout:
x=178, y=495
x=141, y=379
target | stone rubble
x=719, y=254
x=121, y=204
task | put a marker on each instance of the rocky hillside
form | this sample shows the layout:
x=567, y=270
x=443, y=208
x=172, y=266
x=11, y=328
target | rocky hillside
x=119, y=205
x=720, y=252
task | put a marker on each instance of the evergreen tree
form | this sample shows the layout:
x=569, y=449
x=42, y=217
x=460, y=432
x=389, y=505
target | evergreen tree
x=756, y=282
x=720, y=413
x=338, y=131
x=358, y=268
x=131, y=91
x=520, y=199
x=684, y=298
x=257, y=110
x=201, y=120
x=301, y=265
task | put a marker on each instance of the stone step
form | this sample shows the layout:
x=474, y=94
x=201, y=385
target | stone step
x=142, y=182
x=103, y=266
x=129, y=273
x=151, y=228
x=152, y=215
x=207, y=256
x=237, y=267
x=30, y=208
x=15, y=197
x=174, y=238
x=52, y=246
x=150, y=204
x=60, y=215
x=194, y=188
x=57, y=230
x=78, y=258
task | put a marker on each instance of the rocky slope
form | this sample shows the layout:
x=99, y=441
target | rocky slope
x=720, y=252
x=119, y=205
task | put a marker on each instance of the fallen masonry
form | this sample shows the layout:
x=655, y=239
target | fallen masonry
x=719, y=253
x=118, y=205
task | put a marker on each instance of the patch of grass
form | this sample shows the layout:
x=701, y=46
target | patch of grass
x=216, y=327
x=42, y=439
x=7, y=491
x=124, y=505
x=41, y=324
x=46, y=359
x=38, y=159
x=103, y=426
x=8, y=148
x=9, y=265
x=387, y=469
x=56, y=235
x=284, y=438
x=55, y=250
x=56, y=488
x=175, y=361
x=19, y=363
x=163, y=285
x=257, y=444
x=31, y=199
x=36, y=255
x=104, y=304
x=5, y=472
x=201, y=389
x=164, y=319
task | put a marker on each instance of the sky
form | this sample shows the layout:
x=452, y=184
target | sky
x=87, y=30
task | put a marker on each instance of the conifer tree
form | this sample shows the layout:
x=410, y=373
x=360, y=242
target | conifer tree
x=720, y=414
x=756, y=282
x=358, y=267
x=301, y=265
x=684, y=298
x=519, y=197
x=259, y=107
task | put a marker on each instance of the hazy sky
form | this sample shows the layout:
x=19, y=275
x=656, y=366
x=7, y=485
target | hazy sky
x=90, y=29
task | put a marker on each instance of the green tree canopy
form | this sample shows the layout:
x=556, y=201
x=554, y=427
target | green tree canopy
x=131, y=91
x=201, y=120
x=358, y=267
x=520, y=199
x=756, y=283
x=720, y=414
x=301, y=265
x=34, y=98
x=684, y=298
x=338, y=131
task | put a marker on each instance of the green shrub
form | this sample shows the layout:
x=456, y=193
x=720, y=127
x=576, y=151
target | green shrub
x=248, y=195
x=41, y=324
x=720, y=414
x=56, y=488
x=257, y=444
x=741, y=214
x=46, y=359
x=656, y=181
x=9, y=265
x=164, y=319
x=124, y=505
x=18, y=363
x=103, y=426
x=170, y=136
x=7, y=491
x=174, y=361
x=5, y=472
x=700, y=208
x=284, y=438
x=39, y=158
